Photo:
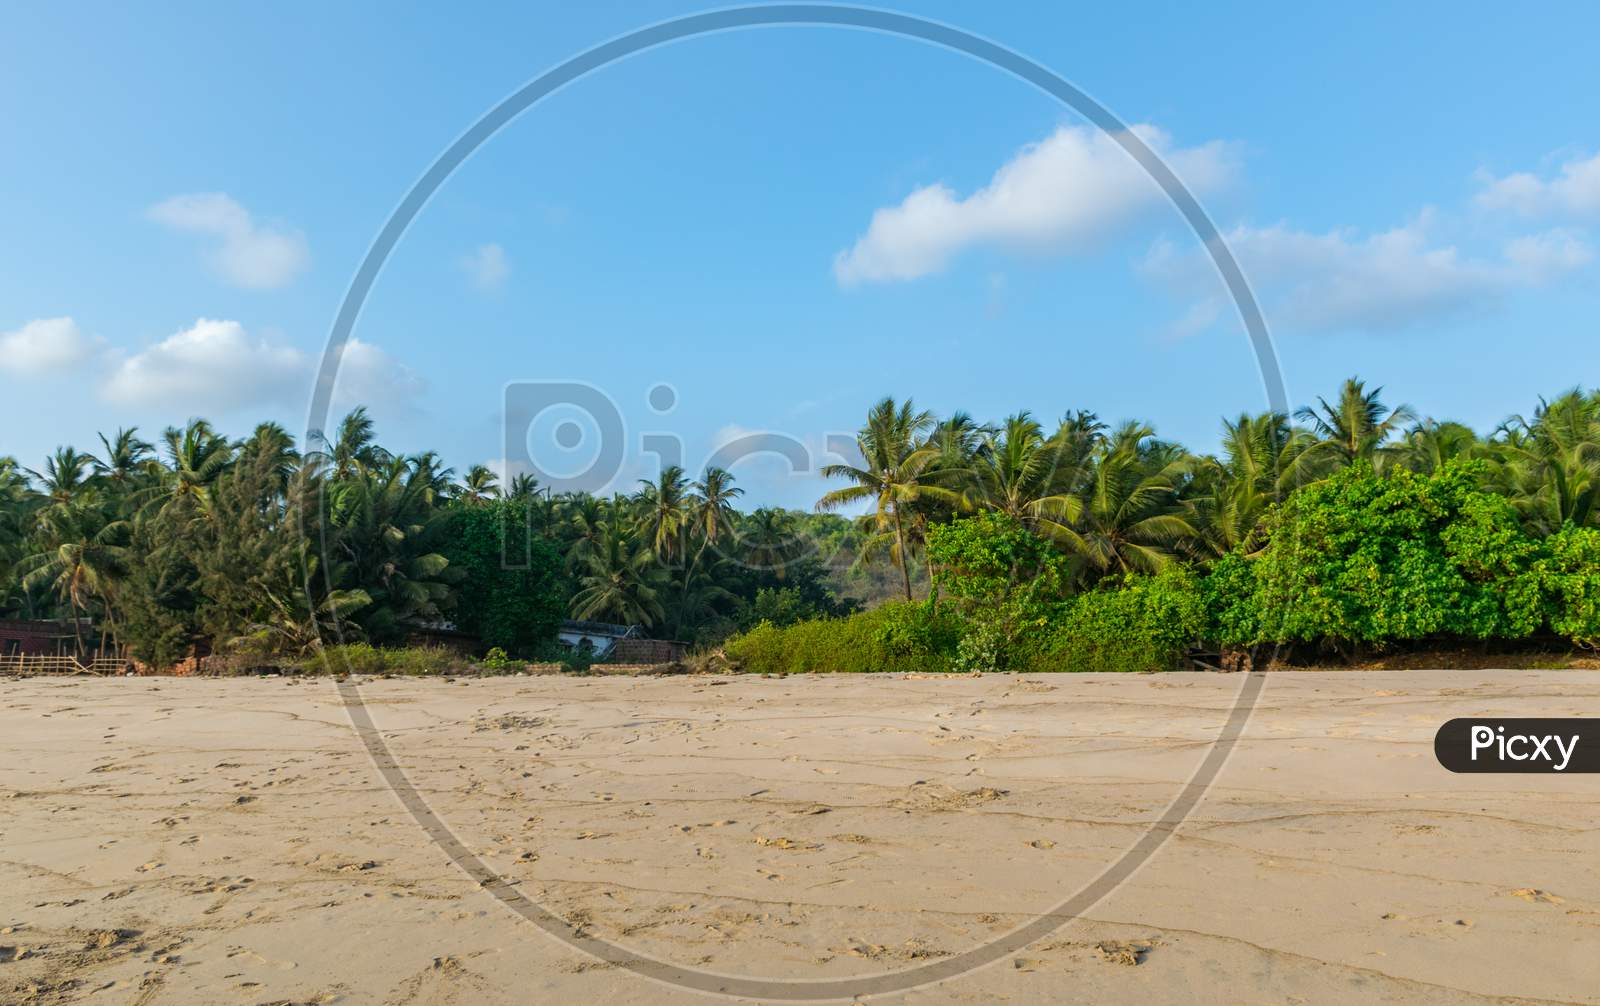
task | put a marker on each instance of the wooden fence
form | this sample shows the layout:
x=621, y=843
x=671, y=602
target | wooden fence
x=30, y=663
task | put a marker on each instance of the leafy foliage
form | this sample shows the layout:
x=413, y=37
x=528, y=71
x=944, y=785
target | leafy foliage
x=1363, y=560
x=1082, y=546
x=511, y=592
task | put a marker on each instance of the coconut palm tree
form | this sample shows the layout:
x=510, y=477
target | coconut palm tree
x=522, y=486
x=1356, y=427
x=81, y=559
x=128, y=461
x=586, y=519
x=271, y=446
x=893, y=476
x=65, y=478
x=385, y=527
x=1132, y=518
x=711, y=513
x=1261, y=464
x=664, y=512
x=478, y=486
x=1550, y=467
x=770, y=540
x=196, y=455
x=620, y=582
x=1019, y=473
x=1428, y=445
x=18, y=502
x=354, y=443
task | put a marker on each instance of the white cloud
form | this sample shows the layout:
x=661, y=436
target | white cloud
x=247, y=254
x=45, y=346
x=1541, y=258
x=1341, y=281
x=487, y=266
x=1575, y=192
x=1071, y=189
x=212, y=365
x=370, y=376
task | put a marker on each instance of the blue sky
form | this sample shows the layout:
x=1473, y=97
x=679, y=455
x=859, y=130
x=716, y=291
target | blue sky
x=784, y=225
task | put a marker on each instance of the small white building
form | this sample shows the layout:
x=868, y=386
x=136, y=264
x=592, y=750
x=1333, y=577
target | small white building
x=598, y=638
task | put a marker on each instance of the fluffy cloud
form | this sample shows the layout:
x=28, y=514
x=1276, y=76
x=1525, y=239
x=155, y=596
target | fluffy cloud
x=220, y=366
x=45, y=346
x=487, y=266
x=246, y=254
x=370, y=376
x=1575, y=192
x=210, y=365
x=1069, y=190
x=1340, y=281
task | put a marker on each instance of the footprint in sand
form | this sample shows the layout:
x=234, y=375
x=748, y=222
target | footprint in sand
x=785, y=843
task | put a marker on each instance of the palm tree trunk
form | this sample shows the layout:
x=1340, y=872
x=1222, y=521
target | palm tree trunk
x=77, y=626
x=900, y=545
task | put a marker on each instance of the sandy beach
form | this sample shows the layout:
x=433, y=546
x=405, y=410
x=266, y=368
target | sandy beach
x=173, y=841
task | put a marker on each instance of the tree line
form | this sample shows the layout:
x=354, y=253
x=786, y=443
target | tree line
x=1122, y=500
x=1352, y=525
x=254, y=544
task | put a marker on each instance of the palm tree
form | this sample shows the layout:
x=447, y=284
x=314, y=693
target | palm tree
x=619, y=582
x=894, y=474
x=127, y=459
x=1029, y=479
x=81, y=560
x=769, y=539
x=273, y=447
x=1355, y=428
x=196, y=455
x=18, y=501
x=698, y=597
x=711, y=512
x=1132, y=519
x=664, y=507
x=479, y=485
x=355, y=444
x=66, y=476
x=711, y=516
x=522, y=486
x=385, y=526
x=1260, y=466
x=1550, y=467
x=1430, y=444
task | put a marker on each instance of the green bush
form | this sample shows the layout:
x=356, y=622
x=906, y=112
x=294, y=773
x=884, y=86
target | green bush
x=1143, y=623
x=512, y=593
x=990, y=559
x=364, y=658
x=1570, y=576
x=1362, y=560
x=902, y=636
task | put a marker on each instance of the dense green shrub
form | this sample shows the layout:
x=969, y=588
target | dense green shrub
x=1362, y=560
x=1570, y=576
x=1143, y=623
x=781, y=606
x=991, y=559
x=1003, y=581
x=511, y=593
x=363, y=658
x=901, y=636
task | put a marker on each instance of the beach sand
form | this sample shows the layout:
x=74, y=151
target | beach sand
x=188, y=841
